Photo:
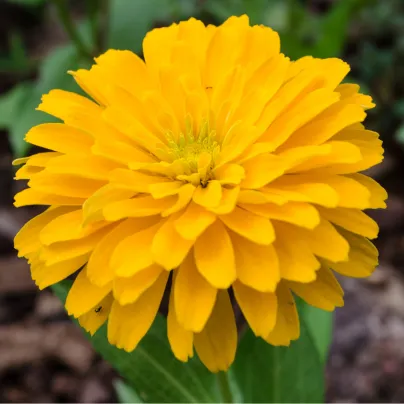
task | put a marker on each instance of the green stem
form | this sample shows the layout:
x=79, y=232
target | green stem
x=67, y=22
x=224, y=385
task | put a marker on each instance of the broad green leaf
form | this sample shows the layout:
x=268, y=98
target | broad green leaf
x=11, y=102
x=125, y=393
x=319, y=323
x=130, y=21
x=271, y=374
x=151, y=368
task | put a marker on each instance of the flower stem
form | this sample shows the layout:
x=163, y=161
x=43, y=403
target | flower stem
x=67, y=22
x=224, y=385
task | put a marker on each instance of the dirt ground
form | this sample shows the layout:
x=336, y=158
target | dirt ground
x=45, y=358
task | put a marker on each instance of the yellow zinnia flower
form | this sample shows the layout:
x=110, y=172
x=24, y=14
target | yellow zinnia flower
x=217, y=160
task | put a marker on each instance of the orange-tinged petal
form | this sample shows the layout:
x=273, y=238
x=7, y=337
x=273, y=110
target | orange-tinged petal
x=26, y=240
x=99, y=268
x=128, y=324
x=214, y=256
x=127, y=260
x=84, y=295
x=259, y=309
x=194, y=296
x=169, y=248
x=180, y=339
x=217, y=343
x=47, y=275
x=362, y=259
x=287, y=327
x=97, y=316
x=256, y=265
x=324, y=293
x=129, y=289
x=296, y=260
x=353, y=220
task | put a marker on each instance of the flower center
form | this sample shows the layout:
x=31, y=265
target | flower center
x=196, y=150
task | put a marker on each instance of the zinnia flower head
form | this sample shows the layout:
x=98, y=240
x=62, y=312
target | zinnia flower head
x=217, y=162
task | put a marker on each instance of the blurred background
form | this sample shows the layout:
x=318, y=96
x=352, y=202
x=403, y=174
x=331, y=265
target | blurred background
x=43, y=356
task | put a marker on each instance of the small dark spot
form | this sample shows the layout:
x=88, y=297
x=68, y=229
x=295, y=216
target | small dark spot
x=203, y=184
x=209, y=88
x=98, y=309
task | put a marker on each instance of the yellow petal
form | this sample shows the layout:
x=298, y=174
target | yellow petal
x=362, y=260
x=84, y=295
x=67, y=227
x=208, y=196
x=194, y=221
x=261, y=170
x=304, y=188
x=228, y=201
x=138, y=206
x=99, y=268
x=378, y=194
x=128, y=324
x=214, y=256
x=134, y=253
x=259, y=309
x=34, y=197
x=185, y=194
x=27, y=239
x=93, y=206
x=128, y=290
x=92, y=167
x=297, y=213
x=257, y=265
x=97, y=316
x=60, y=138
x=46, y=275
x=229, y=174
x=169, y=248
x=326, y=242
x=287, y=327
x=134, y=181
x=353, y=220
x=253, y=227
x=180, y=339
x=296, y=260
x=216, y=345
x=194, y=296
x=64, y=250
x=65, y=185
x=324, y=293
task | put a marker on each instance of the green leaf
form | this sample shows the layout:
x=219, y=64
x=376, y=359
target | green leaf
x=270, y=374
x=125, y=393
x=130, y=21
x=319, y=323
x=334, y=29
x=151, y=368
x=52, y=74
